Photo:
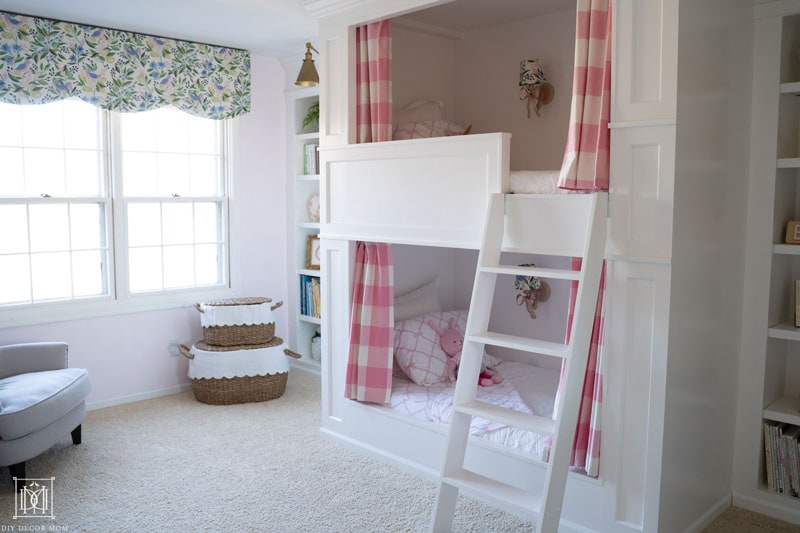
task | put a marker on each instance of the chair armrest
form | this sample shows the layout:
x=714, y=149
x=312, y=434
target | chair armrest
x=32, y=357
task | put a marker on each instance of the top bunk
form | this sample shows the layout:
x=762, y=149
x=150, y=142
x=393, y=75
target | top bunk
x=455, y=67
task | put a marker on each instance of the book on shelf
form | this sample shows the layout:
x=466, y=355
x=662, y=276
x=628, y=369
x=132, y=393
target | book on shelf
x=310, y=303
x=311, y=159
x=782, y=457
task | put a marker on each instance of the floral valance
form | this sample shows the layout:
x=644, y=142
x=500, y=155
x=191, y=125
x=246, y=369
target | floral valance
x=44, y=60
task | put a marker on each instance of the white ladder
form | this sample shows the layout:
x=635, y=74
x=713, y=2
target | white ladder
x=570, y=225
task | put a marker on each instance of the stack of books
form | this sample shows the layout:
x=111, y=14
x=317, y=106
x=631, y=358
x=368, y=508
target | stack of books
x=311, y=159
x=309, y=296
x=782, y=457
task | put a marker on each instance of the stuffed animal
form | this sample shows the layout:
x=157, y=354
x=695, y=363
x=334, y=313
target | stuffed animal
x=489, y=377
x=452, y=342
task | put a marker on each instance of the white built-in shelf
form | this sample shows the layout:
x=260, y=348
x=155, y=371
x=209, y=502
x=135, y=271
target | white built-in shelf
x=310, y=319
x=784, y=409
x=790, y=88
x=308, y=177
x=789, y=162
x=785, y=330
x=309, y=272
x=786, y=249
x=313, y=136
x=308, y=225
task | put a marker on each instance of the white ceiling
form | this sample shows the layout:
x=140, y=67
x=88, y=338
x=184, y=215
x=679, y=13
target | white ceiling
x=277, y=28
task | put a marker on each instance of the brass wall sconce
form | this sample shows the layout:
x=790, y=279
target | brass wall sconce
x=308, y=76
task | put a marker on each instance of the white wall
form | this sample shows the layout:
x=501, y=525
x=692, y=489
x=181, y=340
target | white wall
x=711, y=166
x=127, y=355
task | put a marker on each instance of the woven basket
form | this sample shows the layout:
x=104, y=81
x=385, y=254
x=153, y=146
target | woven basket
x=238, y=335
x=244, y=389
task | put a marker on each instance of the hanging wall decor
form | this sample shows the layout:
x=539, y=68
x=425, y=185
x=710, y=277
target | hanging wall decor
x=534, y=87
x=533, y=290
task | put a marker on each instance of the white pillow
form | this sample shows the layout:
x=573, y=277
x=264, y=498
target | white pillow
x=423, y=299
x=417, y=347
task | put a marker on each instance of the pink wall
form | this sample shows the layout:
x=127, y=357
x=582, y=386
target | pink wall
x=488, y=92
x=127, y=355
x=477, y=78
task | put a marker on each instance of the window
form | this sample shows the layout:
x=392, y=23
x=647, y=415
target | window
x=102, y=206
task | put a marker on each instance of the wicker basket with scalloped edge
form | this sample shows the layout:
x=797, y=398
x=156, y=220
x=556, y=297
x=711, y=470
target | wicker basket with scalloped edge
x=243, y=389
x=242, y=334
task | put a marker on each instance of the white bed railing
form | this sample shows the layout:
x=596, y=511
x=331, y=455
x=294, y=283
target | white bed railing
x=423, y=191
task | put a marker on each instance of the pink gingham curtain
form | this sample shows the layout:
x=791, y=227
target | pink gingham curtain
x=585, y=164
x=586, y=446
x=369, y=363
x=374, y=82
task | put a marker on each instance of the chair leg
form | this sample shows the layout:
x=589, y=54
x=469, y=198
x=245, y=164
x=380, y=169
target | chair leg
x=17, y=471
x=76, y=435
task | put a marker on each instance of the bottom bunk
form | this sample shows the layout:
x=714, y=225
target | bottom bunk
x=524, y=387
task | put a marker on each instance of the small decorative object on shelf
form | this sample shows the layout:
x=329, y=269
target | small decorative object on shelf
x=793, y=232
x=316, y=346
x=313, y=252
x=313, y=207
x=797, y=303
x=312, y=116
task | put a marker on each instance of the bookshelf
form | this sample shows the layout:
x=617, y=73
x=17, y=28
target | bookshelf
x=772, y=264
x=302, y=196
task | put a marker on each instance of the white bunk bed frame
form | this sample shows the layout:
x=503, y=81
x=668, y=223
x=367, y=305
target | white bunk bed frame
x=424, y=192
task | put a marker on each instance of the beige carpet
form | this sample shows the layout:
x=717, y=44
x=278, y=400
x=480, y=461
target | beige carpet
x=174, y=464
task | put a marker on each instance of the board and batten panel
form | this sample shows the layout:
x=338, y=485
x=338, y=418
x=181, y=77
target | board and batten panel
x=641, y=195
x=645, y=55
x=635, y=386
x=372, y=192
x=336, y=100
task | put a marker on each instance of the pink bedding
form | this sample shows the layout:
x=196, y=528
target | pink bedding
x=525, y=388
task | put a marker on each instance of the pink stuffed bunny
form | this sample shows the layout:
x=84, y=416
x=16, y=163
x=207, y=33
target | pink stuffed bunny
x=452, y=341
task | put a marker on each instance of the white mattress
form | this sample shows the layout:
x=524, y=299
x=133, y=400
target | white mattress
x=535, y=182
x=525, y=388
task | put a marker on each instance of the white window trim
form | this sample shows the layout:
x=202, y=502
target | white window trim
x=119, y=301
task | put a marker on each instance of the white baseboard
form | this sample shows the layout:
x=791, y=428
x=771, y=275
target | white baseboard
x=775, y=505
x=138, y=397
x=709, y=516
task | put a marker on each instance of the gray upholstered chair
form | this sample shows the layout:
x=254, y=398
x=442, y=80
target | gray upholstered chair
x=41, y=400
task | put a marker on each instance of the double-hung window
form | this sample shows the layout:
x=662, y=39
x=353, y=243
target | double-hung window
x=101, y=209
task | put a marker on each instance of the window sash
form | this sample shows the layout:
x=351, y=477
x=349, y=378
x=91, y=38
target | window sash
x=118, y=297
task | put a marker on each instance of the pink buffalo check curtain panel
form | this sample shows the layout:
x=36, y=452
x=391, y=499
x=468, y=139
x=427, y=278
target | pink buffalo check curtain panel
x=585, y=164
x=369, y=363
x=586, y=447
x=374, y=82
x=586, y=167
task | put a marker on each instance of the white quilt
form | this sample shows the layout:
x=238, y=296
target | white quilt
x=525, y=388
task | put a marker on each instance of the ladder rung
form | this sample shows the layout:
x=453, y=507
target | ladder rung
x=523, y=344
x=518, y=501
x=548, y=273
x=509, y=417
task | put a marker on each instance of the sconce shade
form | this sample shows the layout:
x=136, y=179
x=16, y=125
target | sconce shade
x=308, y=76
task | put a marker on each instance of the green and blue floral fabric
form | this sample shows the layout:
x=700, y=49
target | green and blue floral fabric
x=43, y=60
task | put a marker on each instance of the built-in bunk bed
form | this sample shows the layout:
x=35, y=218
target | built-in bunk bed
x=427, y=196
